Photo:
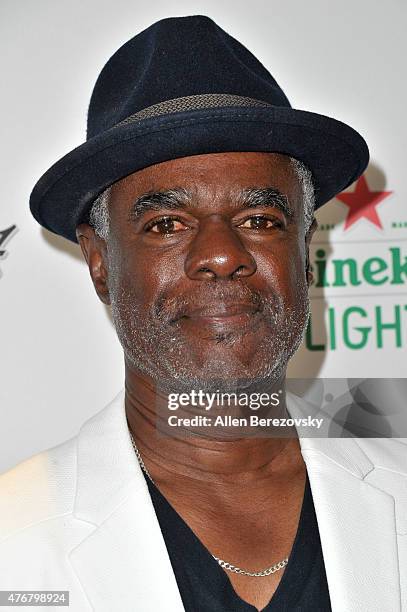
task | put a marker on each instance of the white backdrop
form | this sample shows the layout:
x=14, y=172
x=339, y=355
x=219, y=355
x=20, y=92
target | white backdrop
x=61, y=361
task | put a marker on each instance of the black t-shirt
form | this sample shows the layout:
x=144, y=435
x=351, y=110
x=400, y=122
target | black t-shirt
x=205, y=587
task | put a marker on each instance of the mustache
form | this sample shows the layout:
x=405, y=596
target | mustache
x=210, y=294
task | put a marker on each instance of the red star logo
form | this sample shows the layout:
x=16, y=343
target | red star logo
x=362, y=203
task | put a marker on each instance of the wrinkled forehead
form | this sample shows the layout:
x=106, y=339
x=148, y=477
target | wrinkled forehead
x=217, y=175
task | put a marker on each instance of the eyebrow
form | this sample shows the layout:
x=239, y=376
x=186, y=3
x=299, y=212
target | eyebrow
x=179, y=198
x=266, y=197
x=172, y=199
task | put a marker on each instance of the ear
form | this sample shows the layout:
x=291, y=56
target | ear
x=308, y=237
x=95, y=253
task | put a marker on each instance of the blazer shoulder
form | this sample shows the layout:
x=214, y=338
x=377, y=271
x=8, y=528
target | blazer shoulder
x=39, y=488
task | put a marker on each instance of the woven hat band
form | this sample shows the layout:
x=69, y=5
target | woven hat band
x=190, y=103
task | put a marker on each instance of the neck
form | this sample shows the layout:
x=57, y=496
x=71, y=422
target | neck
x=191, y=455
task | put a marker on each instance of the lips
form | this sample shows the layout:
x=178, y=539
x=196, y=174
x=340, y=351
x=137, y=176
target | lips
x=221, y=311
x=222, y=317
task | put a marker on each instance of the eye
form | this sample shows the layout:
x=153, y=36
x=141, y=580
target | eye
x=165, y=226
x=261, y=222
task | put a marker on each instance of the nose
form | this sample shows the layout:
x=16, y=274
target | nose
x=218, y=253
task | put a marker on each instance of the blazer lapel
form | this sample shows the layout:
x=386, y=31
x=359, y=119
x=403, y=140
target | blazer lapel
x=357, y=524
x=123, y=563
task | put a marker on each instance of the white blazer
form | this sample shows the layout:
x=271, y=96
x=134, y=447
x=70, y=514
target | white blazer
x=78, y=517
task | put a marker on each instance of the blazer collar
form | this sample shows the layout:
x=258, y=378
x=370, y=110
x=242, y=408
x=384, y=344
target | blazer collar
x=108, y=469
x=124, y=555
x=123, y=564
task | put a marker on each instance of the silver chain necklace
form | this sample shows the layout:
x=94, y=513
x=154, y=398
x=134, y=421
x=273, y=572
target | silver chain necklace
x=222, y=563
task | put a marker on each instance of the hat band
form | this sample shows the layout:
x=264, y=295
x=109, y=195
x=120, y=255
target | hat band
x=190, y=103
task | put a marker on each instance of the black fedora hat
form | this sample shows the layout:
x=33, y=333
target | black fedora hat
x=185, y=87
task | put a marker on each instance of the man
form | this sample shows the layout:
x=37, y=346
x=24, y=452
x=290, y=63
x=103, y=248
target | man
x=193, y=202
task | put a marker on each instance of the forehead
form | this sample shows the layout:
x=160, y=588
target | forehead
x=216, y=173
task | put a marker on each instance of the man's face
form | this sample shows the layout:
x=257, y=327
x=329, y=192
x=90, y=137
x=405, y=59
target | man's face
x=205, y=266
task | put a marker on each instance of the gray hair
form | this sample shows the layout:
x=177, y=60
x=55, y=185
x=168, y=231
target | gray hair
x=99, y=213
x=308, y=191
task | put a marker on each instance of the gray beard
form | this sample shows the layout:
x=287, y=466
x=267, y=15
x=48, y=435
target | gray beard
x=156, y=348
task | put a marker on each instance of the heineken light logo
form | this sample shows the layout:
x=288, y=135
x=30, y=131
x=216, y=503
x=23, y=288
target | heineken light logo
x=359, y=291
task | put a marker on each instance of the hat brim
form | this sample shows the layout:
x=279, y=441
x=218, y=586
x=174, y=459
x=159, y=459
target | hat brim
x=334, y=152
